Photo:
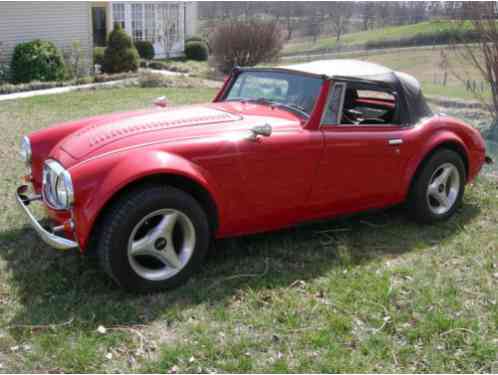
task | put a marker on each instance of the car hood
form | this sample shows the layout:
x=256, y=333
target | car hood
x=168, y=124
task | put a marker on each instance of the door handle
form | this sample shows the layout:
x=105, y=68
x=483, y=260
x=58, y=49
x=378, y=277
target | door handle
x=396, y=141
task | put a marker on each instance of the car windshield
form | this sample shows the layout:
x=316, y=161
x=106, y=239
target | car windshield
x=292, y=91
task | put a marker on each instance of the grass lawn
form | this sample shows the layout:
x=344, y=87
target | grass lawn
x=371, y=293
x=378, y=34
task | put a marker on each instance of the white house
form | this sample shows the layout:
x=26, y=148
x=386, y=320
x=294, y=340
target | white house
x=165, y=24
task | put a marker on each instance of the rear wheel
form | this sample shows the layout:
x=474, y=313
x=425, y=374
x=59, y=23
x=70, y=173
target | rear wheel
x=438, y=189
x=153, y=238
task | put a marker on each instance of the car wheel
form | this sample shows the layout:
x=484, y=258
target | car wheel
x=438, y=189
x=153, y=238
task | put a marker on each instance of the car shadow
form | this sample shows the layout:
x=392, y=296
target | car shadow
x=50, y=287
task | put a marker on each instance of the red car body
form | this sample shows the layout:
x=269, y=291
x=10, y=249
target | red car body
x=302, y=172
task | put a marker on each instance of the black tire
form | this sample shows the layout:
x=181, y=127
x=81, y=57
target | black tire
x=418, y=203
x=126, y=213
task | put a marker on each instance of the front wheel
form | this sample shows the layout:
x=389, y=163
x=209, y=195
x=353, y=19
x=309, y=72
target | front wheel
x=438, y=189
x=153, y=238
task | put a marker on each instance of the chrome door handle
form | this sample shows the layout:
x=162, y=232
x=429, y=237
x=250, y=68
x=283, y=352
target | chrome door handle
x=394, y=142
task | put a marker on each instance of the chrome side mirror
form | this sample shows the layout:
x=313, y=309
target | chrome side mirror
x=162, y=101
x=263, y=130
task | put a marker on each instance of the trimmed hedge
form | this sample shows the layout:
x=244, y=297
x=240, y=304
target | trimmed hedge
x=196, y=51
x=160, y=65
x=37, y=61
x=424, y=39
x=120, y=54
x=9, y=88
x=195, y=38
x=145, y=49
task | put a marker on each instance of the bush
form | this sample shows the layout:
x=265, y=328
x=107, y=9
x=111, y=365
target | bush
x=76, y=62
x=424, y=39
x=245, y=43
x=145, y=49
x=195, y=38
x=98, y=56
x=196, y=51
x=160, y=65
x=37, y=60
x=4, y=73
x=120, y=54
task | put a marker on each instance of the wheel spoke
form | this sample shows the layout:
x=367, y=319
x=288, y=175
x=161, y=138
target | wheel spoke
x=443, y=200
x=433, y=189
x=141, y=246
x=443, y=177
x=171, y=257
x=165, y=226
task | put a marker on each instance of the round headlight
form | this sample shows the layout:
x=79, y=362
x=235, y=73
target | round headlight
x=26, y=150
x=64, y=190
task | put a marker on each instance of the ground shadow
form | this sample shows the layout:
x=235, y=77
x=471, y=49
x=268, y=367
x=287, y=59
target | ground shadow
x=54, y=288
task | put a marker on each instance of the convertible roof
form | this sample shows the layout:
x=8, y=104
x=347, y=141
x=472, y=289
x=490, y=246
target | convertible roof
x=413, y=105
x=343, y=68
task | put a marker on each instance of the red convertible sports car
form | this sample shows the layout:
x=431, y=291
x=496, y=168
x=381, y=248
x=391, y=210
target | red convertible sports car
x=148, y=190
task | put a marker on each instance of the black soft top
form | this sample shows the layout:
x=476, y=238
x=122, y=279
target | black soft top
x=413, y=106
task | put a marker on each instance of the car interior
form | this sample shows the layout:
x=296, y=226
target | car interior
x=368, y=105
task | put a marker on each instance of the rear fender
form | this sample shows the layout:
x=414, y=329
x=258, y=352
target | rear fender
x=128, y=170
x=437, y=140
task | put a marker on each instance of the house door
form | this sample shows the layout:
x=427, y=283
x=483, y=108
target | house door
x=99, y=26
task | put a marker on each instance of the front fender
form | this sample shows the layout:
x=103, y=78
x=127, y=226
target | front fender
x=97, y=181
x=436, y=140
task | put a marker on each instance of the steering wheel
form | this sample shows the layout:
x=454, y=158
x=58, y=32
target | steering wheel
x=353, y=116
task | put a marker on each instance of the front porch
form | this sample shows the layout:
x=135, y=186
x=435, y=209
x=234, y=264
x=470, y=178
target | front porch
x=164, y=24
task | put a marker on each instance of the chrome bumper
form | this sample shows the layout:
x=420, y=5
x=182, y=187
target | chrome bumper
x=49, y=238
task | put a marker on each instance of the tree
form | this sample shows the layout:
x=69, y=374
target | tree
x=480, y=52
x=338, y=14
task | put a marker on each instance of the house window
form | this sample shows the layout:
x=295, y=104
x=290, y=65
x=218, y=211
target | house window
x=137, y=21
x=118, y=14
x=150, y=22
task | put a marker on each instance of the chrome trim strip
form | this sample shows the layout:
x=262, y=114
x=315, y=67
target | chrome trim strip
x=50, y=239
x=52, y=171
x=25, y=141
x=341, y=103
x=397, y=141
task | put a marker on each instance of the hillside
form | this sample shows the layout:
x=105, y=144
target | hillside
x=432, y=28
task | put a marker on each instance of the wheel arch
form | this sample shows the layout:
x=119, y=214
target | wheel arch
x=180, y=182
x=135, y=170
x=453, y=143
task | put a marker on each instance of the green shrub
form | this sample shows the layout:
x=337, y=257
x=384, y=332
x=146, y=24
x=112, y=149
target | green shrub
x=120, y=54
x=4, y=73
x=195, y=38
x=98, y=56
x=196, y=51
x=426, y=38
x=145, y=49
x=37, y=60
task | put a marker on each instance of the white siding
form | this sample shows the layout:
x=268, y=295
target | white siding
x=191, y=18
x=62, y=23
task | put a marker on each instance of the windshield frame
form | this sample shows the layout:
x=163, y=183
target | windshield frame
x=237, y=71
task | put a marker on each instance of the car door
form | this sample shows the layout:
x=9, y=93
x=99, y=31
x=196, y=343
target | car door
x=362, y=164
x=277, y=175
